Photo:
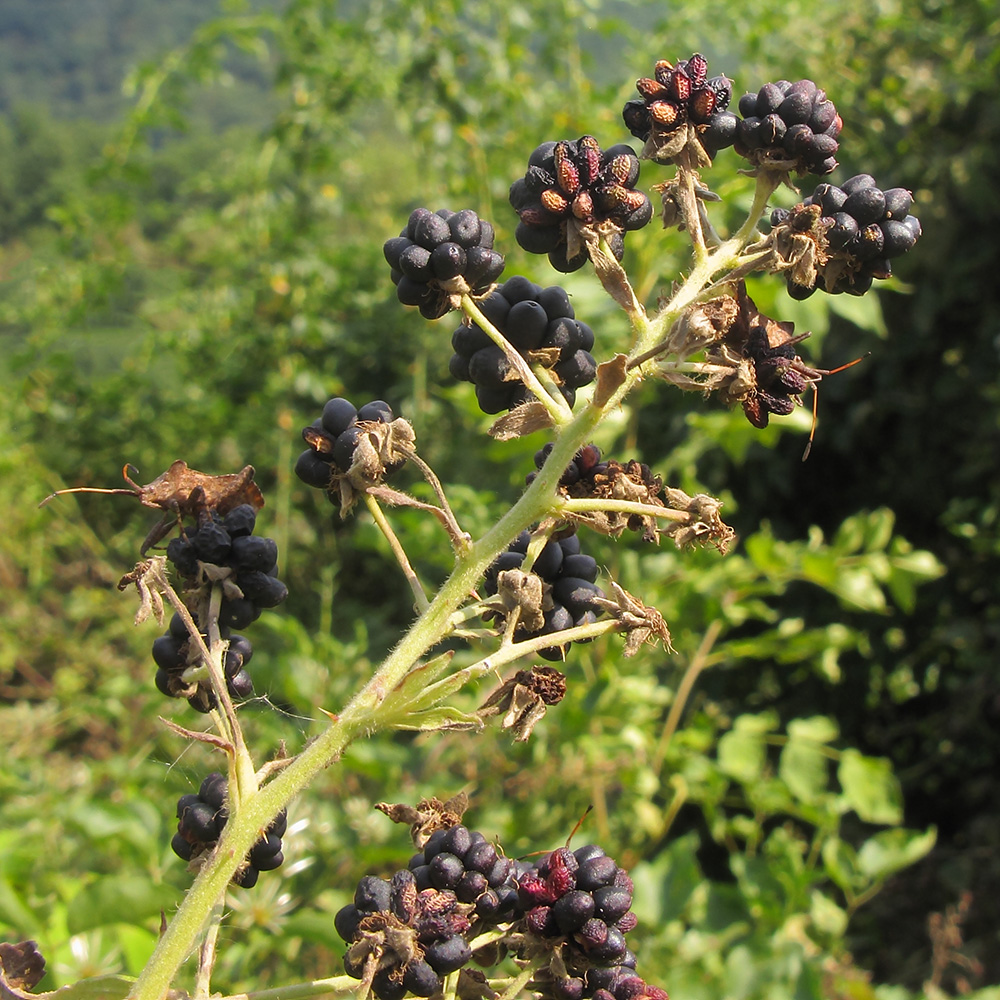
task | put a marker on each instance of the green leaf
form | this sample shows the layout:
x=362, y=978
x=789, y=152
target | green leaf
x=858, y=587
x=667, y=882
x=892, y=850
x=15, y=913
x=742, y=751
x=870, y=788
x=826, y=915
x=116, y=898
x=94, y=988
x=841, y=864
x=815, y=729
x=440, y=718
x=805, y=769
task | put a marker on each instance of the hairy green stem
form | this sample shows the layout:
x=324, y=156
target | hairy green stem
x=335, y=986
x=557, y=409
x=419, y=597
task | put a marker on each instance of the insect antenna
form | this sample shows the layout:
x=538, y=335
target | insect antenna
x=815, y=389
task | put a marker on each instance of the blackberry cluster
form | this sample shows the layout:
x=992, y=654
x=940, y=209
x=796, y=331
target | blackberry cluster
x=583, y=897
x=865, y=227
x=569, y=185
x=466, y=863
x=252, y=560
x=676, y=96
x=540, y=324
x=569, y=577
x=458, y=880
x=174, y=652
x=789, y=123
x=333, y=437
x=434, y=251
x=200, y=819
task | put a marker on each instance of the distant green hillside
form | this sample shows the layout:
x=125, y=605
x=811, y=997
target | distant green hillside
x=71, y=56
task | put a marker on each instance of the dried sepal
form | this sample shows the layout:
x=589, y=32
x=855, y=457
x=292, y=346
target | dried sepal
x=22, y=966
x=644, y=624
x=427, y=816
x=522, y=420
x=524, y=699
x=182, y=492
x=379, y=448
x=472, y=983
x=703, y=524
x=524, y=593
x=150, y=580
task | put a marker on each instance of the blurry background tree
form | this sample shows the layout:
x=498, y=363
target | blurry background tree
x=190, y=270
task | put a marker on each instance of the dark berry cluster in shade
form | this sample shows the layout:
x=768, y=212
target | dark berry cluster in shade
x=333, y=437
x=253, y=563
x=175, y=651
x=683, y=94
x=789, y=122
x=200, y=820
x=573, y=184
x=434, y=250
x=539, y=323
x=569, y=575
x=865, y=226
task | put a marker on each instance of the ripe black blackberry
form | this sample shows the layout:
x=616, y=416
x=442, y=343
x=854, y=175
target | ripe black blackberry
x=789, y=126
x=252, y=560
x=442, y=254
x=540, y=324
x=681, y=105
x=174, y=652
x=583, y=897
x=466, y=863
x=861, y=229
x=567, y=576
x=572, y=185
x=201, y=818
x=333, y=438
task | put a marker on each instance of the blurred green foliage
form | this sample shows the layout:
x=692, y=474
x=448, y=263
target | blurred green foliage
x=194, y=281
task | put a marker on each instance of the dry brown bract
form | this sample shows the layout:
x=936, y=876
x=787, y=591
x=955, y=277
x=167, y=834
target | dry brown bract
x=427, y=815
x=524, y=699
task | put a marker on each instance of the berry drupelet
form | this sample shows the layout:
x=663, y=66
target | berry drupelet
x=540, y=324
x=572, y=187
x=200, y=821
x=440, y=255
x=789, y=126
x=680, y=108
